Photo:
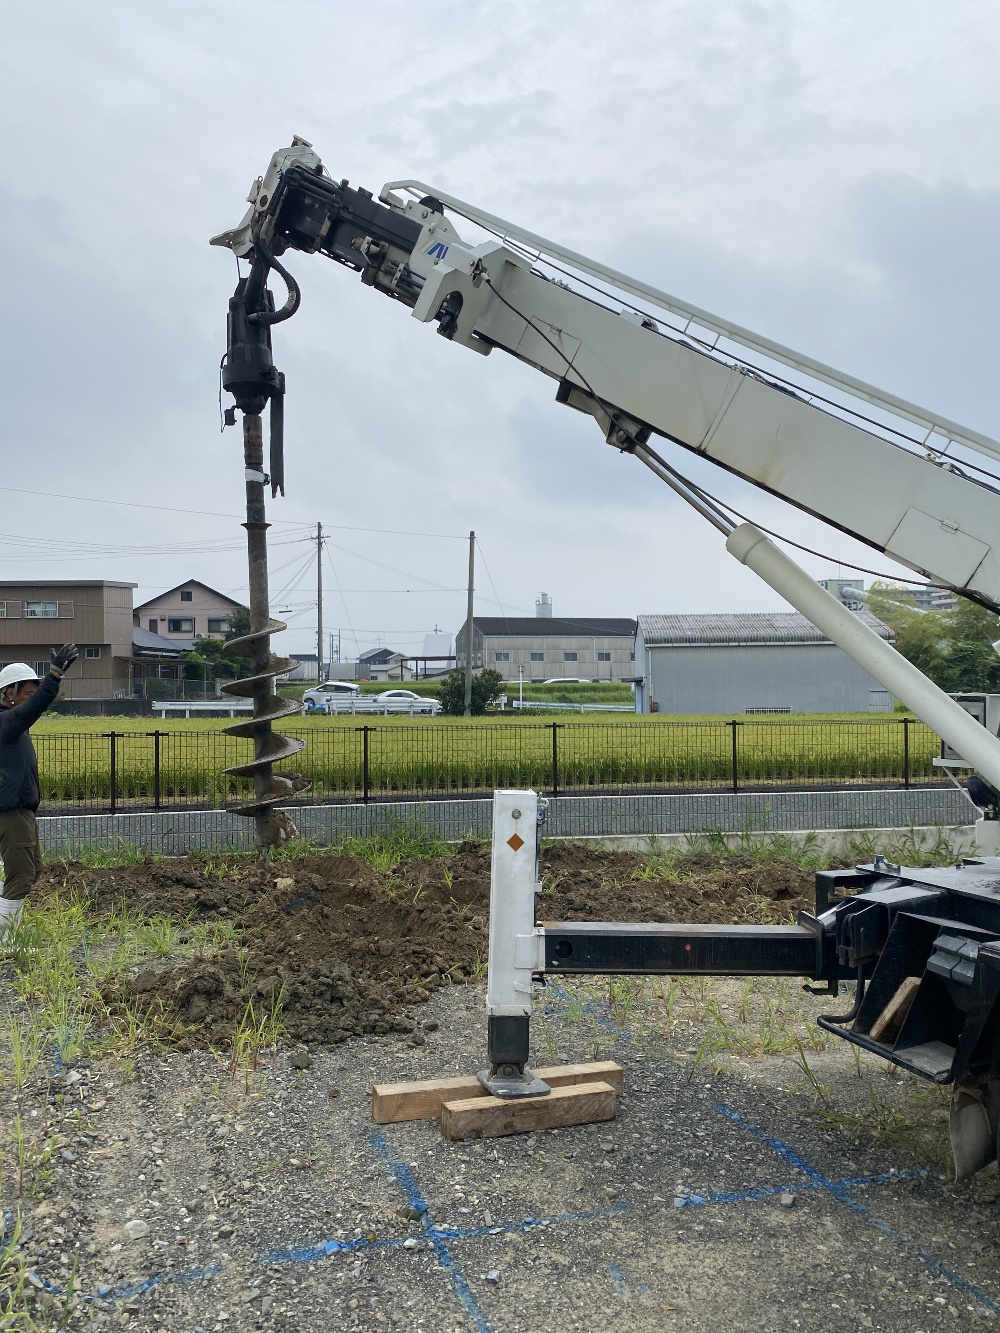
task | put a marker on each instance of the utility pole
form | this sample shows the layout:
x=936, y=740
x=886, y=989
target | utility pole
x=469, y=634
x=319, y=604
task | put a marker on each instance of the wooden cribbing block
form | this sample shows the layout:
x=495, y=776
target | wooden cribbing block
x=887, y=1026
x=423, y=1100
x=491, y=1117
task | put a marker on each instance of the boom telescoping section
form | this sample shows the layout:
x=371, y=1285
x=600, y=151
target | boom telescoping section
x=783, y=421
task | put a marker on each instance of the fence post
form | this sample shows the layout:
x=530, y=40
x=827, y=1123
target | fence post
x=736, y=756
x=555, y=758
x=156, y=770
x=365, y=771
x=113, y=736
x=906, y=751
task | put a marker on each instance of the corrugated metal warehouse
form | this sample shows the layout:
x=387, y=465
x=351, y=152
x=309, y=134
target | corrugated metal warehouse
x=750, y=662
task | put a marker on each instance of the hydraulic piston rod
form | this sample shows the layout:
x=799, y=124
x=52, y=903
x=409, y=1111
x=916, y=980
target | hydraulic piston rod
x=942, y=714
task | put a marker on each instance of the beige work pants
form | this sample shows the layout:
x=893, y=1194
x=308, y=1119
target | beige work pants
x=20, y=851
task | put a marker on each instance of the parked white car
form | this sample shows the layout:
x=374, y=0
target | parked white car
x=330, y=689
x=339, y=696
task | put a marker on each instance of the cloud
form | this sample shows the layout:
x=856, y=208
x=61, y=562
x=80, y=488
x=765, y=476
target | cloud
x=828, y=179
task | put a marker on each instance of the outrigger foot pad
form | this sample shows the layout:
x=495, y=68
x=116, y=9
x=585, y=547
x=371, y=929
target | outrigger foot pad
x=510, y=1081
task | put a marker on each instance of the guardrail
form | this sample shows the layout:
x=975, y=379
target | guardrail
x=573, y=708
x=351, y=706
x=209, y=707
x=175, y=769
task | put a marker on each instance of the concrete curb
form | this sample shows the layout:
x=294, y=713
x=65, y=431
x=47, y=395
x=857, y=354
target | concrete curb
x=634, y=818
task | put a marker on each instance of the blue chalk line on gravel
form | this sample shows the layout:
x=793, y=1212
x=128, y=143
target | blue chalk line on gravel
x=839, y=1191
x=440, y=1237
x=747, y=1196
x=591, y=1008
x=404, y=1178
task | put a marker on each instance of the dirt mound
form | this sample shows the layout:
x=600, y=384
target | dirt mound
x=180, y=888
x=700, y=888
x=344, y=949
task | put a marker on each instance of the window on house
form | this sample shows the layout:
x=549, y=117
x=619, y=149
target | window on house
x=42, y=610
x=3, y=610
x=218, y=625
x=569, y=657
x=503, y=657
x=186, y=596
x=604, y=657
x=538, y=657
x=42, y=669
x=180, y=625
x=154, y=625
x=92, y=653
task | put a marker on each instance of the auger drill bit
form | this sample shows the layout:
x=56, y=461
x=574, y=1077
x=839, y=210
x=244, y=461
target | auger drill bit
x=248, y=373
x=269, y=748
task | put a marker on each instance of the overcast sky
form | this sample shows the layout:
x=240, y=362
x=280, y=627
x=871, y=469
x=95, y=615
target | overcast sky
x=826, y=174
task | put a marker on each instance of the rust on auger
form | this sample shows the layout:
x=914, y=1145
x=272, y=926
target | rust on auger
x=248, y=373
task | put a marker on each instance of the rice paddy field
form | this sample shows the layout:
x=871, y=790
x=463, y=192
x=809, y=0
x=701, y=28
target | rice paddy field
x=100, y=763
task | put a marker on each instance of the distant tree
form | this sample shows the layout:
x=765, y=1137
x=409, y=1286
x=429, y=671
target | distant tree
x=971, y=662
x=921, y=637
x=239, y=623
x=953, y=648
x=487, y=686
x=209, y=660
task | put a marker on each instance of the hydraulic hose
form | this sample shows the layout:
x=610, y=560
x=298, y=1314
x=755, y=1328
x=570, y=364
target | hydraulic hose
x=294, y=298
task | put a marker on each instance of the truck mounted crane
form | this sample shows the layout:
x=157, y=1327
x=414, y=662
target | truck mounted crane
x=922, y=945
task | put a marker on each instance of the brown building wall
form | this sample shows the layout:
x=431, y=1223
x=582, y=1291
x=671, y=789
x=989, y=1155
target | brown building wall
x=95, y=615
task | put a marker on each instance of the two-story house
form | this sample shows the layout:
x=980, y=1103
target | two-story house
x=190, y=611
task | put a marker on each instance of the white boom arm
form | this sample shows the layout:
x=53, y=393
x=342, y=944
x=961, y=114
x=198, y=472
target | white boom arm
x=590, y=329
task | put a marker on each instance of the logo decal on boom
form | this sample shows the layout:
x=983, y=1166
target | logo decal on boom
x=437, y=250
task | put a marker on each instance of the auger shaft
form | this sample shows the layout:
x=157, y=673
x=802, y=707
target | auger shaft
x=260, y=615
x=248, y=373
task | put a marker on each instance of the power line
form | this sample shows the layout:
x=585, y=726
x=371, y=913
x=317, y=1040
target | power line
x=343, y=599
x=215, y=513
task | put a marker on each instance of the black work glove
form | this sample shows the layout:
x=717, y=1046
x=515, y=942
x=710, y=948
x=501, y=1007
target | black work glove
x=64, y=657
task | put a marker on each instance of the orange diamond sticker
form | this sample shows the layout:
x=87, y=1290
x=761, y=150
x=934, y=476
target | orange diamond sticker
x=516, y=841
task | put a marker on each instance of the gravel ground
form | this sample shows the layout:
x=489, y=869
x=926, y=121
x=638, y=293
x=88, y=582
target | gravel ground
x=719, y=1199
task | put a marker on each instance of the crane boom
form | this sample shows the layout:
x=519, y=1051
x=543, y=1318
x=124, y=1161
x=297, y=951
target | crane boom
x=581, y=324
x=806, y=441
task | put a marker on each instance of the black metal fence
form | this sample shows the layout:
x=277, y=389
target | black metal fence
x=170, y=769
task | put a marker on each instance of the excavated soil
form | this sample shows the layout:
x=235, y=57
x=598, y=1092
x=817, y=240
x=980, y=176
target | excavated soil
x=345, y=949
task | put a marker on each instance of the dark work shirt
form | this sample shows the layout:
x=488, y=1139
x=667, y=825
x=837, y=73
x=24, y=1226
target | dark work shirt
x=18, y=764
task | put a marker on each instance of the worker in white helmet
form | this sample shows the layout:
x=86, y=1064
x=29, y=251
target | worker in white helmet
x=23, y=699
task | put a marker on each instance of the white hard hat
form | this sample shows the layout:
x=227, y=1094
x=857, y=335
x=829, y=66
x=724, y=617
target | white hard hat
x=15, y=673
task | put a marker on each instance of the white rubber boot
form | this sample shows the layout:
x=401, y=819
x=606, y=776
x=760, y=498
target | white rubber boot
x=10, y=916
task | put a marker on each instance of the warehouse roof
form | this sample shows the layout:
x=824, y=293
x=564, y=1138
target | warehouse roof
x=564, y=627
x=742, y=627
